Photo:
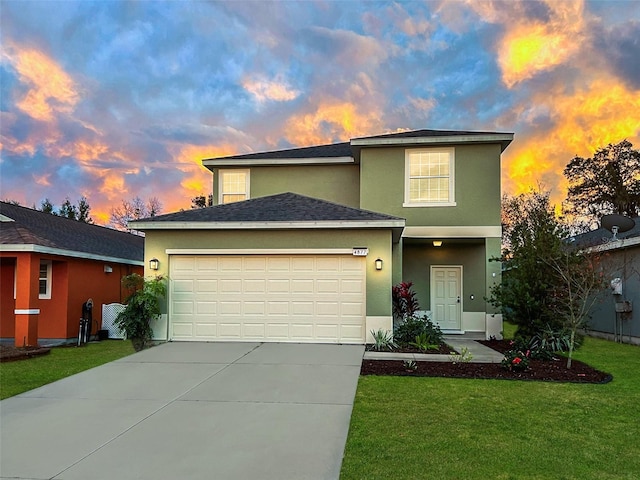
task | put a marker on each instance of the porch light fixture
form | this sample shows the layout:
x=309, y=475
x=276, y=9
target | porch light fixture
x=437, y=243
x=154, y=263
x=378, y=264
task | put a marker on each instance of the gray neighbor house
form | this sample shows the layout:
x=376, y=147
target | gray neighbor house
x=616, y=315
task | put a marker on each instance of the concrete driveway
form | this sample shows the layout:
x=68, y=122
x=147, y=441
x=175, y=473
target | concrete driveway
x=189, y=411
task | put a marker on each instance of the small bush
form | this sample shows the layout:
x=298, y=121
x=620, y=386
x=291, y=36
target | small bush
x=413, y=327
x=516, y=360
x=382, y=340
x=423, y=342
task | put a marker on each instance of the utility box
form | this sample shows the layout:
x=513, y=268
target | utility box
x=624, y=307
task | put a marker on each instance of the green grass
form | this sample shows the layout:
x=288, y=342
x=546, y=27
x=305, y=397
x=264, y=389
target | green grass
x=20, y=376
x=437, y=428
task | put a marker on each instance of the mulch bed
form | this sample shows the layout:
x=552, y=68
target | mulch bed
x=444, y=349
x=9, y=353
x=546, y=371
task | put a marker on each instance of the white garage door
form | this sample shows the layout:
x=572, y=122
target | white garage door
x=280, y=298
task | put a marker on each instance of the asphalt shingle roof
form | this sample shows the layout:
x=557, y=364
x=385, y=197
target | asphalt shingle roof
x=319, y=151
x=345, y=149
x=284, y=207
x=32, y=227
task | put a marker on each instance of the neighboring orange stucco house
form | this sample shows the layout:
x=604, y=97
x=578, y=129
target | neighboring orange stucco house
x=50, y=266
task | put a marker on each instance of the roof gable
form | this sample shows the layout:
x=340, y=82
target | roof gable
x=25, y=226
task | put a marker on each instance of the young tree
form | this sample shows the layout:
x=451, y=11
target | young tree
x=135, y=209
x=607, y=183
x=582, y=281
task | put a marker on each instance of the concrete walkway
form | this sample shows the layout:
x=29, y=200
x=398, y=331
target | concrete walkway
x=189, y=411
x=480, y=353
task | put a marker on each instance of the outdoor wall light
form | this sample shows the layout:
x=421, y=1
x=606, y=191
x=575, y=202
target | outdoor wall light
x=437, y=243
x=154, y=263
x=378, y=264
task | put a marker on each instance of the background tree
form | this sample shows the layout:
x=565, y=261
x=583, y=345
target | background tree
x=83, y=211
x=68, y=210
x=135, y=209
x=202, y=201
x=607, y=183
x=47, y=207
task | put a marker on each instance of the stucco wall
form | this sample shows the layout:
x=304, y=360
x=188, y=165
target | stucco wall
x=335, y=183
x=378, y=242
x=477, y=187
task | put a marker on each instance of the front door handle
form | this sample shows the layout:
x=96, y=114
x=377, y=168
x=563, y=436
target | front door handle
x=458, y=298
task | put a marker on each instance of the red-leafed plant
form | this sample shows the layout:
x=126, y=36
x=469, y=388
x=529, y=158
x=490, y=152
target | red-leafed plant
x=405, y=303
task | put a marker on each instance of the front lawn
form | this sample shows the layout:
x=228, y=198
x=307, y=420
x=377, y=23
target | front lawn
x=22, y=375
x=409, y=428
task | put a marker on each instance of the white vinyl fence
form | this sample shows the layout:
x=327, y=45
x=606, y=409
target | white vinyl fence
x=109, y=314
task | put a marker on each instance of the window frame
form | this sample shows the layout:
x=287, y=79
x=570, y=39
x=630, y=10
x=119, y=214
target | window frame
x=222, y=193
x=48, y=280
x=451, y=202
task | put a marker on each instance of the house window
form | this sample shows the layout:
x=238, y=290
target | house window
x=234, y=186
x=429, y=177
x=44, y=279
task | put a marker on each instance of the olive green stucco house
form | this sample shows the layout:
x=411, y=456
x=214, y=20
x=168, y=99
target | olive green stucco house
x=305, y=244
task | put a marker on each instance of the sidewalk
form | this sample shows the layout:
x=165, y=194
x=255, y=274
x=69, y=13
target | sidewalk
x=479, y=352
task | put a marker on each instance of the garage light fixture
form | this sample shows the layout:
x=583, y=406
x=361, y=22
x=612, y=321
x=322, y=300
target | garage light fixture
x=154, y=263
x=378, y=264
x=437, y=243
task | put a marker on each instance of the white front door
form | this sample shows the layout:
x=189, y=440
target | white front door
x=446, y=296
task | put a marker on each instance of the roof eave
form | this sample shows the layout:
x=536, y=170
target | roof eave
x=504, y=139
x=249, y=162
x=339, y=224
x=29, y=247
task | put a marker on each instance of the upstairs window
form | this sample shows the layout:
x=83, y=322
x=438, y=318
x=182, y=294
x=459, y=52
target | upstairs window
x=44, y=279
x=429, y=177
x=234, y=186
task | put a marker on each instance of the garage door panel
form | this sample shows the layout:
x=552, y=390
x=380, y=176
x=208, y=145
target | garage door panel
x=301, y=331
x=206, y=286
x=206, y=329
x=229, y=329
x=275, y=286
x=206, y=264
x=303, y=298
x=255, y=285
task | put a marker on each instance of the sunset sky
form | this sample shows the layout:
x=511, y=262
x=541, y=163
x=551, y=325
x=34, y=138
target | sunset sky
x=113, y=100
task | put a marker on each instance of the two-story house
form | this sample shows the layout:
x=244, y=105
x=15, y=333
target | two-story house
x=305, y=244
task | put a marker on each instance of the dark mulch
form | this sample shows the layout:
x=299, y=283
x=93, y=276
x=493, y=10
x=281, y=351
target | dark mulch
x=546, y=371
x=9, y=353
x=443, y=349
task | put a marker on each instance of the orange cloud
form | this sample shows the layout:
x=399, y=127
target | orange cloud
x=199, y=180
x=334, y=120
x=51, y=89
x=530, y=46
x=264, y=90
x=604, y=112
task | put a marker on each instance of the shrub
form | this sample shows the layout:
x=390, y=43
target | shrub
x=423, y=342
x=413, y=327
x=143, y=306
x=404, y=301
x=516, y=360
x=382, y=340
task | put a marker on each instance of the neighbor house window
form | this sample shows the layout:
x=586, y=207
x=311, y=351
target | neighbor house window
x=44, y=279
x=234, y=186
x=429, y=177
